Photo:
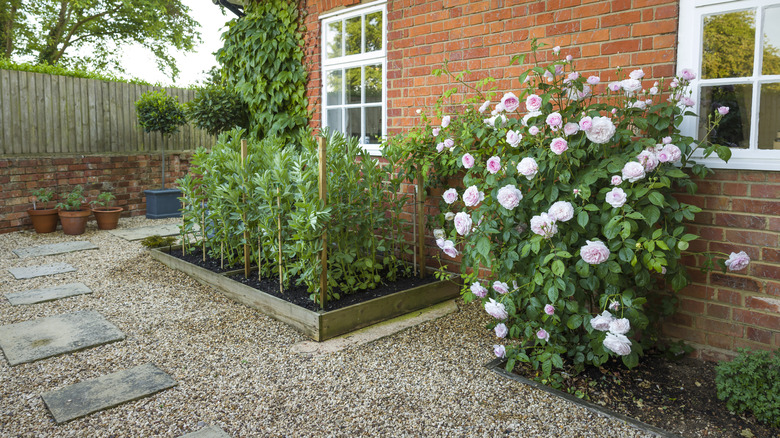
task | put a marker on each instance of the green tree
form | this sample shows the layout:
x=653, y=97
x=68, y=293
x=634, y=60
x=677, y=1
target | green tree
x=91, y=33
x=729, y=41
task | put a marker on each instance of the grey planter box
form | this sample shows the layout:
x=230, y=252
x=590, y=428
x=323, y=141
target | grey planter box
x=162, y=203
x=319, y=325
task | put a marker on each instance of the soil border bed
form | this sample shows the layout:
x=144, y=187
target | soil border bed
x=317, y=325
x=497, y=366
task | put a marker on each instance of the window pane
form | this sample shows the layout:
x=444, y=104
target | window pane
x=334, y=87
x=353, y=85
x=334, y=40
x=373, y=83
x=353, y=122
x=771, y=63
x=374, y=32
x=374, y=125
x=728, y=45
x=334, y=119
x=734, y=129
x=769, y=117
x=353, y=41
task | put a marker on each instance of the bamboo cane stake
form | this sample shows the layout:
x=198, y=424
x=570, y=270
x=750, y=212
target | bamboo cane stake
x=221, y=255
x=244, y=153
x=420, y=225
x=414, y=232
x=279, y=218
x=259, y=254
x=323, y=180
x=203, y=233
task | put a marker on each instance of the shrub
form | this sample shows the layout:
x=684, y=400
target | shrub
x=159, y=112
x=751, y=382
x=217, y=108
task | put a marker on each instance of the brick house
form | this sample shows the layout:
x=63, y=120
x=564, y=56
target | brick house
x=391, y=46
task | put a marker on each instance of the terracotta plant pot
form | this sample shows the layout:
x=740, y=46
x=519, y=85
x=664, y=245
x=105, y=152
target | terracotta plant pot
x=44, y=220
x=74, y=222
x=107, y=217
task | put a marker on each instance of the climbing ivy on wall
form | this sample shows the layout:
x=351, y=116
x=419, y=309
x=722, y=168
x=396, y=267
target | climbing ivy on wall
x=263, y=58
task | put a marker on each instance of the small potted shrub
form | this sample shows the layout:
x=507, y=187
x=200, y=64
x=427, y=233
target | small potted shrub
x=73, y=214
x=107, y=217
x=44, y=219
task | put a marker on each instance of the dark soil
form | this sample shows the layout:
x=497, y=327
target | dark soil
x=299, y=295
x=678, y=396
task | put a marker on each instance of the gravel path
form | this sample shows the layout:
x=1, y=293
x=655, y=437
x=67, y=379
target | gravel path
x=235, y=367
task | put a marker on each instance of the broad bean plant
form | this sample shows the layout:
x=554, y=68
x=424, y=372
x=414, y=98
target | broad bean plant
x=563, y=214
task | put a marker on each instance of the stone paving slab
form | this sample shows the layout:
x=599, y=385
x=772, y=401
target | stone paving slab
x=105, y=392
x=40, y=338
x=144, y=232
x=208, y=432
x=54, y=248
x=41, y=270
x=34, y=296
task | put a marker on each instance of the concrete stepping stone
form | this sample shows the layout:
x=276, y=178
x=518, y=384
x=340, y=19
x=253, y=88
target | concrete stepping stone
x=144, y=232
x=54, y=248
x=105, y=392
x=40, y=338
x=208, y=432
x=41, y=270
x=34, y=296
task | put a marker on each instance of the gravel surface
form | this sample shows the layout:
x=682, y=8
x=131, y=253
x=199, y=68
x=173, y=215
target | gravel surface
x=235, y=367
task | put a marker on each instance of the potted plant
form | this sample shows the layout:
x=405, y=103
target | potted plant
x=107, y=217
x=159, y=112
x=44, y=219
x=73, y=214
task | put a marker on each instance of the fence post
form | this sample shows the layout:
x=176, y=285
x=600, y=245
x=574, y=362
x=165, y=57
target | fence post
x=323, y=181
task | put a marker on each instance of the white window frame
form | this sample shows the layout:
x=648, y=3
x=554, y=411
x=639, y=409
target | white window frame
x=359, y=60
x=689, y=54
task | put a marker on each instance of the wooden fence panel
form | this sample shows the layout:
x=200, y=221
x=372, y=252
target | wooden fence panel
x=47, y=115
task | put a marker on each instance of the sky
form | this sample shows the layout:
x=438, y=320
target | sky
x=140, y=63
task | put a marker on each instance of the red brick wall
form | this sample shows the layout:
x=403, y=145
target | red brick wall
x=126, y=176
x=719, y=312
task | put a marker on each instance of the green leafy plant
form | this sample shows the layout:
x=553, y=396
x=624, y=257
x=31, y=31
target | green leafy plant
x=103, y=200
x=217, y=108
x=42, y=195
x=73, y=200
x=7, y=64
x=263, y=58
x=751, y=383
x=157, y=241
x=159, y=112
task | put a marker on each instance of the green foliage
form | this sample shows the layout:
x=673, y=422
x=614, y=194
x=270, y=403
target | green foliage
x=42, y=195
x=157, y=241
x=751, y=382
x=92, y=33
x=278, y=185
x=73, y=200
x=263, y=58
x=103, y=199
x=159, y=112
x=217, y=108
x=6, y=64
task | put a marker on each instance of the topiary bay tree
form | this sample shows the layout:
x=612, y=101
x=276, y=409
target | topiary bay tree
x=159, y=112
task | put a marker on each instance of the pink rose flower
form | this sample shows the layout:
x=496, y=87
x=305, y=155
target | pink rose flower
x=666, y=140
x=617, y=344
x=500, y=287
x=499, y=108
x=556, y=49
x=637, y=74
x=723, y=110
x=648, y=160
x=561, y=211
x=468, y=161
x=549, y=309
x=571, y=128
x=614, y=86
x=630, y=86
x=509, y=196
x=449, y=216
x=558, y=146
x=569, y=58
x=640, y=104
x=445, y=121
x=616, y=180
x=527, y=167
x=501, y=330
x=533, y=103
x=496, y=309
x=436, y=132
x=554, y=121
x=687, y=101
x=439, y=147
x=484, y=106
x=462, y=223
x=513, y=138
x=620, y=326
x=593, y=80
x=687, y=74
x=653, y=91
x=450, y=196
x=499, y=351
x=472, y=196
x=616, y=197
x=633, y=171
x=601, y=131
x=478, y=290
x=737, y=261
x=449, y=143
x=533, y=130
x=510, y=101
x=586, y=123
x=494, y=164
x=543, y=335
x=449, y=248
x=614, y=306
x=601, y=322
x=594, y=252
x=573, y=76
x=544, y=225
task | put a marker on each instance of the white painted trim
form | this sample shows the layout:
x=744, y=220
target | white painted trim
x=351, y=11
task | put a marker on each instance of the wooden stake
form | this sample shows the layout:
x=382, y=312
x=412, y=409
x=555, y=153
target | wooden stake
x=279, y=204
x=414, y=232
x=323, y=181
x=247, y=259
x=420, y=223
x=259, y=254
x=221, y=255
x=203, y=234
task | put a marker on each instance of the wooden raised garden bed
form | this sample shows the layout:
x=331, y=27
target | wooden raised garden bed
x=318, y=325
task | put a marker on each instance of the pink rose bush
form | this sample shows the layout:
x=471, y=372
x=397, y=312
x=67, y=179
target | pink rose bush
x=570, y=199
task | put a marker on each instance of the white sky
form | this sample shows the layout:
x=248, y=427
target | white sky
x=140, y=63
